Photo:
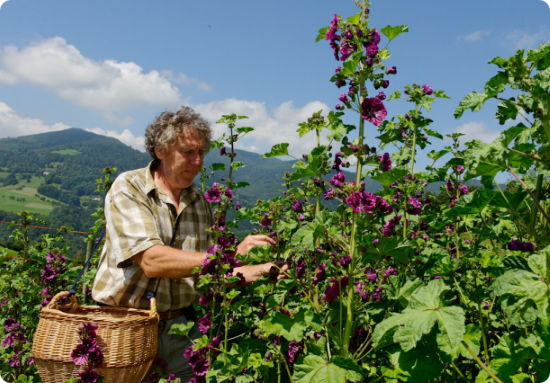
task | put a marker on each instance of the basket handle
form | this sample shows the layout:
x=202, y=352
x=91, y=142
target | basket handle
x=153, y=313
x=60, y=295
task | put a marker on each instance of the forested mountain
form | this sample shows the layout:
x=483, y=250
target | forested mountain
x=61, y=169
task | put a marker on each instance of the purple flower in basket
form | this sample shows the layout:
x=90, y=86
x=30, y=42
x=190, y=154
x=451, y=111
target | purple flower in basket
x=89, y=375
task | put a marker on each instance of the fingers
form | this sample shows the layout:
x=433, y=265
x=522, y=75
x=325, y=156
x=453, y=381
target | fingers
x=253, y=240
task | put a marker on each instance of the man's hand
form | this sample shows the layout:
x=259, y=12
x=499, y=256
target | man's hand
x=276, y=271
x=253, y=240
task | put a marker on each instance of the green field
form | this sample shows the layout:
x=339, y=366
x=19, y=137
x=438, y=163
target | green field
x=68, y=152
x=15, y=198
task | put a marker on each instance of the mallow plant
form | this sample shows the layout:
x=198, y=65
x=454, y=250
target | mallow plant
x=390, y=285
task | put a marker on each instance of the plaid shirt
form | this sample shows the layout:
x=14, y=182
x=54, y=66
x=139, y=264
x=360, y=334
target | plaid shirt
x=139, y=215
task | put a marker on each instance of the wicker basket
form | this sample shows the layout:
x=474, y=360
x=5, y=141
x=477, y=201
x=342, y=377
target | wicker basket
x=127, y=338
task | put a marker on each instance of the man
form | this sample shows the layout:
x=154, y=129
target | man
x=147, y=210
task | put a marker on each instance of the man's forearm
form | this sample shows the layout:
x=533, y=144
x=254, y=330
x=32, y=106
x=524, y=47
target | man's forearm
x=167, y=262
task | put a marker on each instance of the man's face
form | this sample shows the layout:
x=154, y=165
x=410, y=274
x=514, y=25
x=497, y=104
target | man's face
x=182, y=161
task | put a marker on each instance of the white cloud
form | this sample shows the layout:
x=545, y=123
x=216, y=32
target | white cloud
x=104, y=86
x=126, y=137
x=475, y=36
x=477, y=131
x=518, y=39
x=14, y=125
x=270, y=128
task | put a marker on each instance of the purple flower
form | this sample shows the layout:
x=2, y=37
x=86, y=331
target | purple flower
x=339, y=107
x=414, y=206
x=50, y=258
x=427, y=90
x=385, y=162
x=214, y=194
x=200, y=367
x=340, y=83
x=345, y=260
x=242, y=282
x=362, y=202
x=238, y=206
x=374, y=37
x=329, y=194
x=206, y=299
x=361, y=288
x=389, y=227
x=343, y=98
x=332, y=291
x=80, y=355
x=373, y=110
x=516, y=245
x=300, y=269
x=338, y=180
x=463, y=189
x=338, y=69
x=89, y=375
x=8, y=340
x=321, y=274
x=385, y=84
x=216, y=341
x=266, y=221
x=222, y=151
x=301, y=217
x=391, y=70
x=48, y=274
x=459, y=169
x=11, y=325
x=372, y=50
x=294, y=349
x=229, y=193
x=377, y=294
x=297, y=206
x=390, y=271
x=205, y=324
x=381, y=96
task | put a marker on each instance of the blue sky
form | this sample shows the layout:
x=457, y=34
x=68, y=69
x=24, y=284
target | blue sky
x=112, y=66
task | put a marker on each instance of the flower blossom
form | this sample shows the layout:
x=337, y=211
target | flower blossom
x=414, y=206
x=385, y=162
x=373, y=110
x=214, y=194
x=362, y=202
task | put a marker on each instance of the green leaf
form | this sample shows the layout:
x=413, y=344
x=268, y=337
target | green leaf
x=427, y=102
x=317, y=370
x=237, y=165
x=472, y=338
x=218, y=166
x=473, y=101
x=322, y=34
x=502, y=63
x=204, y=280
x=292, y=328
x=401, y=288
x=472, y=203
x=440, y=94
x=181, y=328
x=355, y=19
x=509, y=200
x=277, y=150
x=425, y=309
x=496, y=84
x=437, y=155
x=389, y=177
x=507, y=111
x=244, y=129
x=542, y=78
x=523, y=295
x=395, y=95
x=384, y=54
x=417, y=365
x=350, y=65
x=433, y=133
x=392, y=32
x=394, y=246
x=337, y=131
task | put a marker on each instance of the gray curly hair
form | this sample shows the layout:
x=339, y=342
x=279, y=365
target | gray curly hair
x=165, y=130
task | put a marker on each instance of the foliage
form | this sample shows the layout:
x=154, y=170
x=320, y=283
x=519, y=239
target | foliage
x=394, y=285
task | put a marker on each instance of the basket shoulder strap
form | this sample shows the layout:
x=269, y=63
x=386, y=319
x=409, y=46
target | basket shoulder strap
x=72, y=289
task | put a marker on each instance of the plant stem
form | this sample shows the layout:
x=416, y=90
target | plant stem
x=481, y=364
x=459, y=373
x=535, y=200
x=534, y=214
x=284, y=361
x=481, y=321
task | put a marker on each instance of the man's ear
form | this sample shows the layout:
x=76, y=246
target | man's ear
x=159, y=154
